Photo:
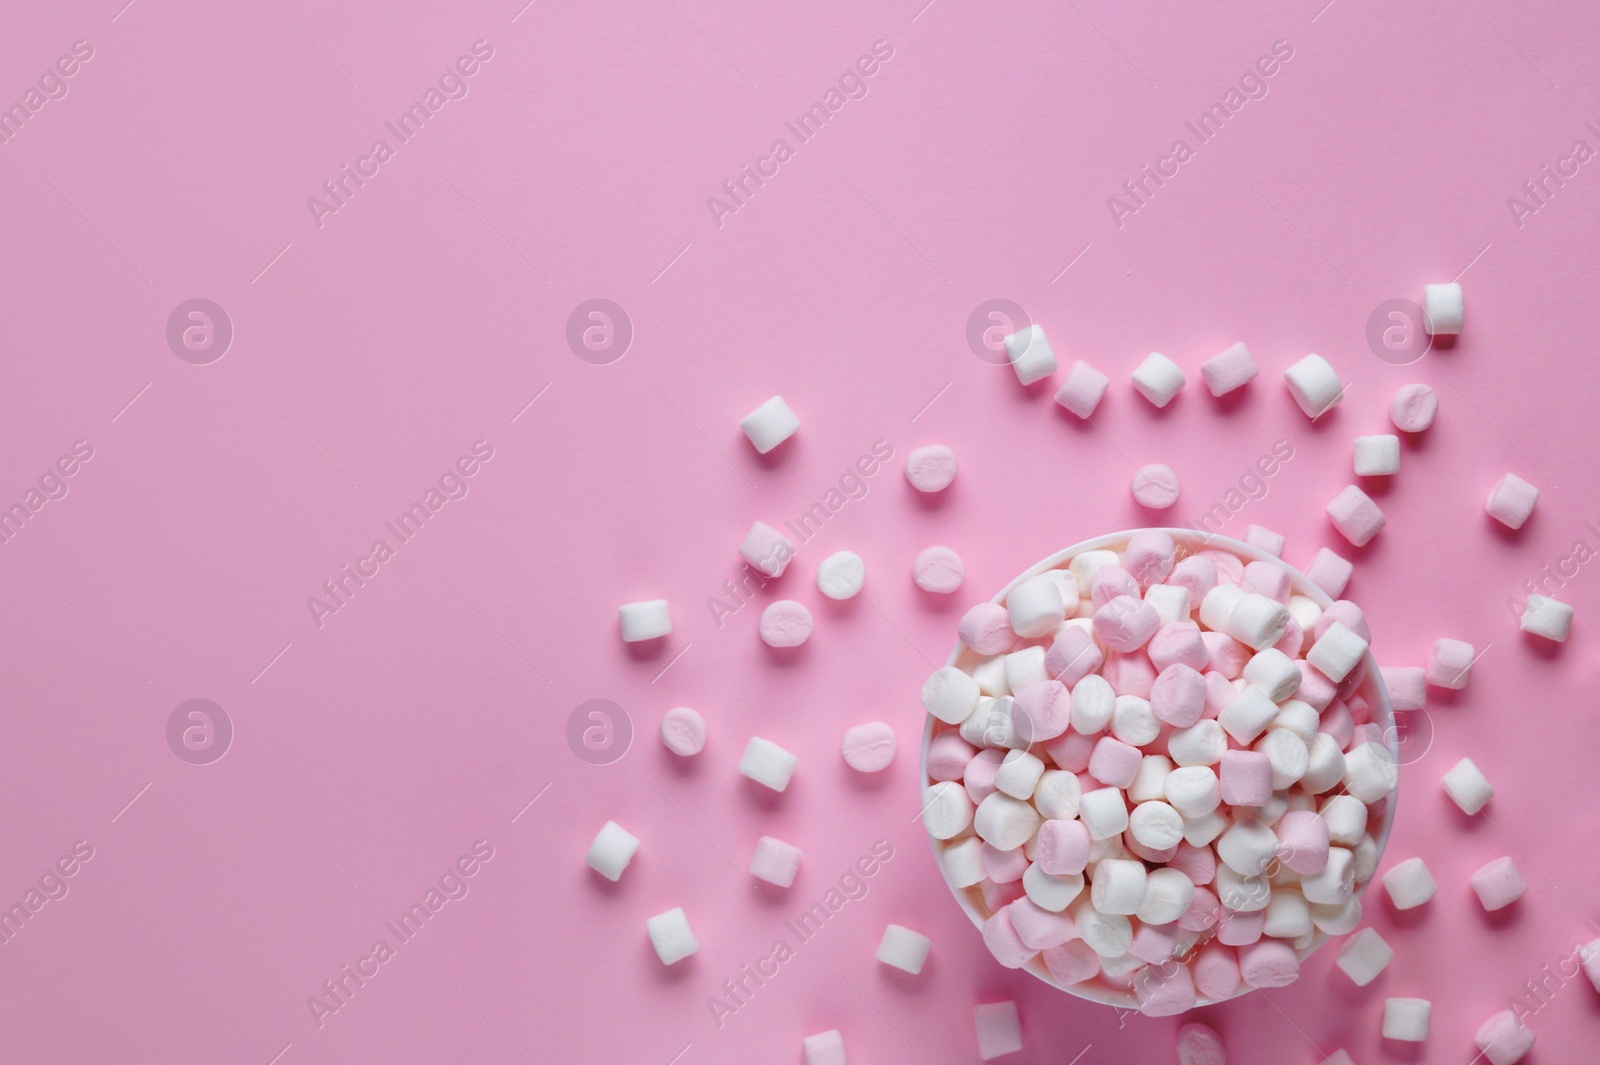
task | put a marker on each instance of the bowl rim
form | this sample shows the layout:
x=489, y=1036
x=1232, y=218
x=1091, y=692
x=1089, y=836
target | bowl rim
x=1382, y=713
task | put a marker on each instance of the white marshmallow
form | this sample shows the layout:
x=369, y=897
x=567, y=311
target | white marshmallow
x=1406, y=1019
x=1346, y=816
x=1202, y=831
x=950, y=695
x=1337, y=651
x=1240, y=892
x=1289, y=755
x=1364, y=859
x=1156, y=825
x=769, y=424
x=1057, y=793
x=1085, y=563
x=1053, y=893
x=1274, y=673
x=613, y=848
x=1151, y=781
x=1443, y=309
x=1194, y=791
x=1377, y=456
x=1031, y=354
x=1546, y=617
x=1019, y=774
x=1299, y=718
x=1109, y=934
x=963, y=862
x=1170, y=601
x=671, y=936
x=1025, y=667
x=1363, y=956
x=1248, y=715
x=1336, y=883
x=841, y=575
x=1339, y=918
x=990, y=673
x=1094, y=702
x=766, y=763
x=1313, y=384
x=1247, y=848
x=1134, y=722
x=903, y=949
x=1218, y=604
x=946, y=809
x=1325, y=765
x=1117, y=886
x=1104, y=812
x=1158, y=379
x=1036, y=607
x=1005, y=823
x=1467, y=786
x=1370, y=772
x=645, y=620
x=1202, y=743
x=1257, y=621
x=1304, y=611
x=1168, y=894
x=1288, y=915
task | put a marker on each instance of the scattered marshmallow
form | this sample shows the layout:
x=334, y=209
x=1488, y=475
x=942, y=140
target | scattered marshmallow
x=1155, y=486
x=999, y=1029
x=1511, y=501
x=1450, y=663
x=1413, y=407
x=986, y=628
x=870, y=747
x=775, y=861
x=1377, y=456
x=671, y=936
x=1406, y=1019
x=1158, y=379
x=903, y=949
x=938, y=569
x=1498, y=884
x=768, y=764
x=841, y=575
x=1409, y=884
x=785, y=623
x=1355, y=515
x=1363, y=956
x=1330, y=572
x=1031, y=355
x=613, y=848
x=1546, y=617
x=824, y=1048
x=1467, y=786
x=1082, y=389
x=931, y=468
x=769, y=424
x=1229, y=369
x=1314, y=385
x=1442, y=309
x=1339, y=1057
x=1504, y=1039
x=766, y=549
x=646, y=620
x=683, y=731
x=1199, y=1044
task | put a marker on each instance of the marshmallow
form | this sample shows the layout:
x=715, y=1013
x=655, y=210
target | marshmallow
x=1347, y=612
x=1023, y=667
x=613, y=848
x=1018, y=774
x=1246, y=778
x=1073, y=656
x=1229, y=369
x=775, y=861
x=963, y=862
x=1049, y=891
x=999, y=896
x=1413, y=407
x=1467, y=786
x=1150, y=556
x=1267, y=540
x=1363, y=956
x=766, y=549
x=999, y=1030
x=683, y=731
x=1085, y=564
x=1178, y=695
x=1442, y=309
x=1217, y=606
x=1287, y=916
x=1257, y=621
x=1355, y=515
x=1202, y=743
x=1407, y=686
x=1193, y=791
x=1039, y=928
x=766, y=763
x=841, y=575
x=1072, y=962
x=1179, y=643
x=769, y=424
x=946, y=809
x=1498, y=884
x=646, y=620
x=1330, y=572
x=1003, y=867
x=1250, y=713
x=1057, y=794
x=1274, y=673
x=785, y=623
x=670, y=934
x=1035, y=607
x=1104, y=812
x=1165, y=991
x=870, y=747
x=1314, y=385
x=1071, y=751
x=1228, y=657
x=1247, y=848
x=1299, y=718
x=1117, y=886
x=1325, y=765
x=1337, y=919
x=1243, y=897
x=1504, y=1039
x=1339, y=1057
x=824, y=1048
x=1196, y=573
x=1062, y=848
x=1158, y=379
x=1267, y=578
x=950, y=695
x=1171, y=602
x=1511, y=501
x=1155, y=486
x=1114, y=763
x=1449, y=663
x=1005, y=822
x=1269, y=963
x=938, y=569
x=1216, y=976
x=1406, y=1019
x=1288, y=755
x=1125, y=623
x=1158, y=826
x=1003, y=941
x=1337, y=651
x=1546, y=617
x=986, y=628
x=903, y=949
x=1031, y=355
x=1111, y=582
x=1377, y=456
x=1094, y=702
x=1041, y=711
x=1082, y=389
x=931, y=468
x=1370, y=772
x=1134, y=722
x=1409, y=884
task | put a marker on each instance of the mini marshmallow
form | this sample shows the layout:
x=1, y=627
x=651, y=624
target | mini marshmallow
x=1051, y=892
x=1325, y=766
x=1267, y=578
x=775, y=861
x=613, y=848
x=1370, y=772
x=769, y=424
x=1467, y=786
x=1330, y=572
x=1363, y=956
x=991, y=677
x=1504, y=1039
x=950, y=695
x=1217, y=606
x=785, y=623
x=1337, y=651
x=1267, y=540
x=1073, y=656
x=1179, y=643
x=1339, y=1057
x=1168, y=894
x=1019, y=774
x=1031, y=355
x=903, y=949
x=824, y=1048
x=1117, y=886
x=1149, y=556
x=1288, y=755
x=938, y=569
x=1229, y=369
x=1155, y=486
x=1406, y=1019
x=1299, y=718
x=841, y=575
x=1063, y=847
x=1413, y=407
x=1039, y=928
x=1442, y=309
x=1355, y=515
x=1216, y=976
x=1111, y=582
x=1407, y=686
x=1005, y=822
x=1194, y=791
x=1302, y=841
x=999, y=896
x=1072, y=962
x=1257, y=621
x=1003, y=867
x=1196, y=573
x=1346, y=817
x=1158, y=826
x=1085, y=564
x=1035, y=607
x=1274, y=673
x=1104, y=812
x=1314, y=385
x=1337, y=919
x=1377, y=456
x=1023, y=667
x=946, y=809
x=1409, y=884
x=766, y=763
x=1287, y=916
x=671, y=936
x=1171, y=602
x=931, y=468
x=1228, y=656
x=1269, y=963
x=999, y=1029
x=1243, y=899
x=1178, y=696
x=683, y=731
x=1158, y=379
x=646, y=620
x=1094, y=701
x=766, y=549
x=1247, y=848
x=1202, y=743
x=1199, y=1044
x=1546, y=617
x=963, y=862
x=1000, y=936
x=1347, y=612
x=1125, y=623
x=1134, y=722
x=1449, y=663
x=1250, y=714
x=1082, y=389
x=1114, y=763
x=1057, y=794
x=1246, y=778
x=986, y=628
x=1498, y=884
x=1041, y=711
x=870, y=748
x=1511, y=501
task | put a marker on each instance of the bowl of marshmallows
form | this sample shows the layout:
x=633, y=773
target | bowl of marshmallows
x=1159, y=769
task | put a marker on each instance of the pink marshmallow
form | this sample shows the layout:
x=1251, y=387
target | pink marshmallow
x=1073, y=656
x=986, y=628
x=1071, y=751
x=1130, y=674
x=1228, y=369
x=1041, y=711
x=1504, y=1039
x=1196, y=573
x=1407, y=686
x=1347, y=613
x=1154, y=943
x=1177, y=643
x=1219, y=693
x=1203, y=914
x=1246, y=778
x=1511, y=501
x=1001, y=937
x=948, y=755
x=1498, y=884
x=1268, y=579
x=1228, y=656
x=1338, y=723
x=1178, y=696
x=1199, y=864
x=1267, y=540
x=1315, y=690
x=1413, y=407
x=1155, y=486
x=775, y=861
x=1109, y=582
x=1149, y=556
x=1114, y=763
x=1037, y=927
x=1293, y=640
x=1062, y=848
x=1073, y=962
x=766, y=549
x=1269, y=963
x=1302, y=841
x=1450, y=663
x=824, y=1048
x=980, y=773
x=1368, y=732
x=1165, y=990
x=1082, y=389
x=1003, y=867
x=997, y=897
x=1355, y=515
x=1216, y=971
x=1330, y=572
x=1229, y=567
x=1147, y=854
x=1236, y=929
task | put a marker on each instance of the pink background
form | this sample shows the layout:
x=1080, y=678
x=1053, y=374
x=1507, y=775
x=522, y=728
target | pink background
x=370, y=353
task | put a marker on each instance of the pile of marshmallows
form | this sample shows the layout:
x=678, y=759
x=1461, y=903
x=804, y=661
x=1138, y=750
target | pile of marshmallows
x=1158, y=772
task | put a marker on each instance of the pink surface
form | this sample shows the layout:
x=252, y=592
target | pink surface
x=371, y=352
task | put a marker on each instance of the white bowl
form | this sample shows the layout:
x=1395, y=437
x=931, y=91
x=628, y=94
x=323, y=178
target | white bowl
x=971, y=901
